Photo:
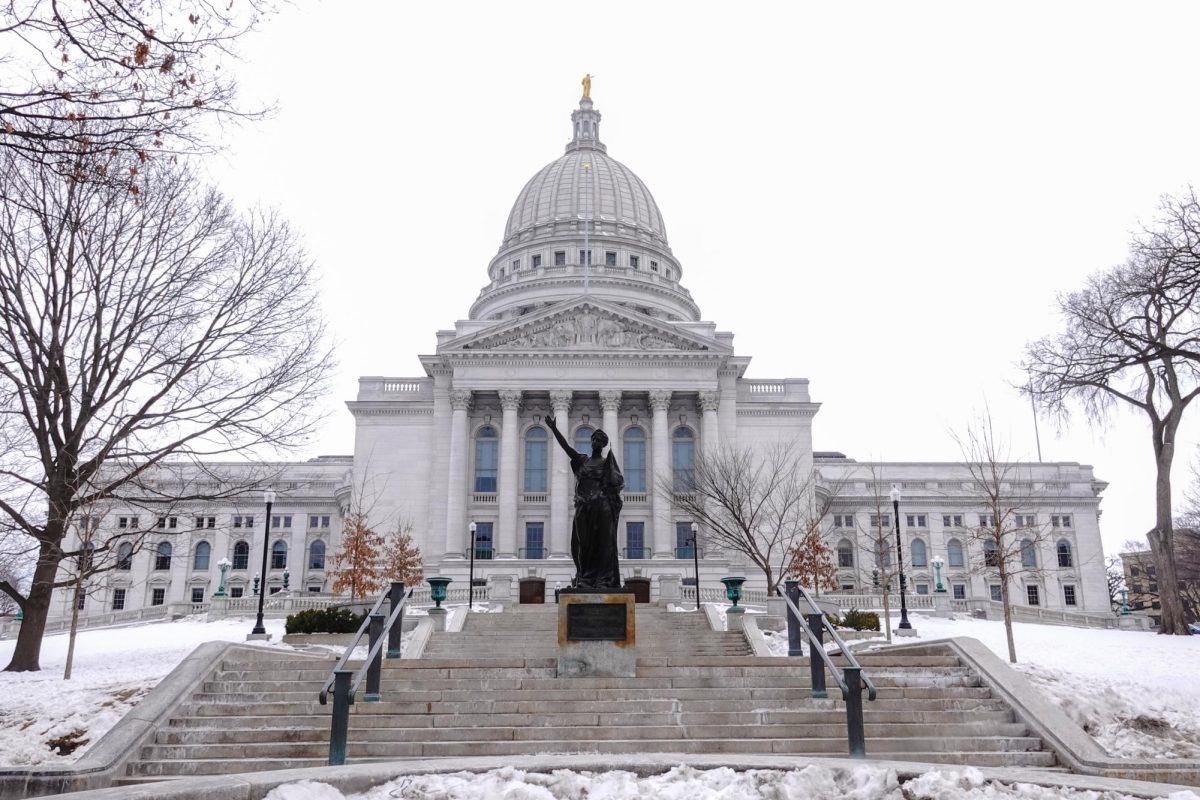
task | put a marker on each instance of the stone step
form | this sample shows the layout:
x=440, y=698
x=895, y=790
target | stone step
x=154, y=769
x=999, y=736
x=879, y=724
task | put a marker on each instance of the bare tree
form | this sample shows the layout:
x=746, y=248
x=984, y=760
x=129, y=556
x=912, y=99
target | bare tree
x=756, y=502
x=87, y=82
x=1132, y=336
x=877, y=544
x=1114, y=575
x=138, y=331
x=1008, y=536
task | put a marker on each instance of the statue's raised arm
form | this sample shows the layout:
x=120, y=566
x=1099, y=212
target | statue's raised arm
x=570, y=451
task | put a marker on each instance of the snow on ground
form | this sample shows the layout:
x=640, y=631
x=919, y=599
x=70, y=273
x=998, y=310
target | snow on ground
x=1134, y=691
x=686, y=783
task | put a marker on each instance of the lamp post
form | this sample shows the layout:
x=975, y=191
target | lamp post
x=471, y=582
x=904, y=623
x=269, y=499
x=223, y=566
x=937, y=571
x=696, y=562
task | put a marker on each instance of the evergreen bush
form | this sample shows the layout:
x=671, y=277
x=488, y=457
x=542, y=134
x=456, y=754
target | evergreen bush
x=324, y=620
x=861, y=620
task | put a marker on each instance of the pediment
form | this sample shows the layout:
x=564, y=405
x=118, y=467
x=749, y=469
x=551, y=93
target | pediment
x=583, y=326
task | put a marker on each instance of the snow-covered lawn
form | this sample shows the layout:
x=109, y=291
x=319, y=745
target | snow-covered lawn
x=114, y=668
x=1137, y=693
x=814, y=782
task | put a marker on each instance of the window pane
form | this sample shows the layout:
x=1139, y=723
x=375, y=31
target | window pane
x=918, y=553
x=683, y=540
x=535, y=540
x=316, y=559
x=683, y=452
x=486, y=454
x=845, y=554
x=535, y=460
x=241, y=555
x=202, y=553
x=635, y=540
x=483, y=540
x=583, y=439
x=634, y=465
x=279, y=555
x=954, y=553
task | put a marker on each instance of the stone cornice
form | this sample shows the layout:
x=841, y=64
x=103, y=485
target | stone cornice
x=395, y=408
x=551, y=281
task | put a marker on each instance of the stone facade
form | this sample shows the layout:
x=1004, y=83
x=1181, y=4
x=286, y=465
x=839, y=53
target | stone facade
x=583, y=317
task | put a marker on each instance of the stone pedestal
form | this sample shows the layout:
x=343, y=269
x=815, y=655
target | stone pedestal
x=258, y=637
x=941, y=604
x=597, y=634
x=438, y=617
x=904, y=632
x=733, y=618
x=670, y=589
x=499, y=588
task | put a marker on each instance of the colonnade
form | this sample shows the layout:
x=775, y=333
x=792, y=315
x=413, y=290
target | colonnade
x=660, y=537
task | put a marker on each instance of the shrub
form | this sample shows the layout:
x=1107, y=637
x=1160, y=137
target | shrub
x=324, y=620
x=861, y=620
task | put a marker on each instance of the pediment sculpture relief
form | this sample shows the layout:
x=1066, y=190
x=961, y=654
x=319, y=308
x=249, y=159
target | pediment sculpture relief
x=586, y=330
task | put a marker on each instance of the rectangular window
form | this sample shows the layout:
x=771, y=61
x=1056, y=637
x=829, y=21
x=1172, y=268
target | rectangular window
x=952, y=521
x=684, y=547
x=118, y=600
x=881, y=520
x=635, y=540
x=917, y=520
x=1031, y=592
x=843, y=520
x=516, y=264
x=1061, y=521
x=1153, y=586
x=274, y=590
x=483, y=540
x=324, y=520
x=560, y=258
x=654, y=266
x=610, y=258
x=122, y=522
x=847, y=587
x=212, y=522
x=313, y=521
x=237, y=591
x=197, y=594
x=314, y=589
x=535, y=540
x=985, y=520
x=922, y=588
x=237, y=522
x=158, y=597
x=585, y=257
x=634, y=261
x=80, y=601
x=1069, y=595
x=168, y=522
x=959, y=591
x=535, y=262
x=997, y=595
x=200, y=522
x=281, y=520
x=1026, y=520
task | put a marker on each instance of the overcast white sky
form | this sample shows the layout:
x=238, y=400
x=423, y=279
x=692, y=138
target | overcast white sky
x=881, y=197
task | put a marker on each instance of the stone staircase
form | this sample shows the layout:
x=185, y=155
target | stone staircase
x=491, y=690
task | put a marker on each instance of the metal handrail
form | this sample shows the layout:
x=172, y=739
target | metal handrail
x=379, y=642
x=350, y=647
x=818, y=647
x=846, y=651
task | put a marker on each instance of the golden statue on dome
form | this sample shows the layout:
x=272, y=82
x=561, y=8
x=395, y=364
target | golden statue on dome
x=587, y=85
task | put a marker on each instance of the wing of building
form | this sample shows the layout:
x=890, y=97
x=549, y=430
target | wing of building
x=585, y=316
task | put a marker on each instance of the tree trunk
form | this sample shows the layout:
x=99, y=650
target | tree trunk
x=28, y=650
x=74, y=630
x=1007, y=604
x=1162, y=538
x=887, y=613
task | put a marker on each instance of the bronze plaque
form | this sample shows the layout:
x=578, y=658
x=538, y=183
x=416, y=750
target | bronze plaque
x=596, y=622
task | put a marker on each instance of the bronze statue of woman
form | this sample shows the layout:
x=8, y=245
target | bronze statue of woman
x=598, y=485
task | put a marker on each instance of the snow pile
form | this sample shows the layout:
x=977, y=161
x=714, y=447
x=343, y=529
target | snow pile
x=1131, y=690
x=686, y=783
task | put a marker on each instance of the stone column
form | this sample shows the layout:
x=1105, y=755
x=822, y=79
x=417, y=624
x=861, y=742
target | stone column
x=610, y=404
x=560, y=483
x=660, y=471
x=709, y=430
x=440, y=469
x=456, y=495
x=509, y=485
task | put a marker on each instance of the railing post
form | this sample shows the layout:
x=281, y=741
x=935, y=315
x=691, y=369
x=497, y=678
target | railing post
x=792, y=588
x=855, y=731
x=339, y=728
x=396, y=594
x=375, y=632
x=816, y=664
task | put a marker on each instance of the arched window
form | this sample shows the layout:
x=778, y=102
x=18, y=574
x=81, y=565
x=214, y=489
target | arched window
x=634, y=464
x=241, y=555
x=535, y=459
x=1028, y=554
x=583, y=439
x=487, y=448
x=316, y=555
x=845, y=552
x=125, y=557
x=683, y=454
x=918, y=554
x=1064, y=553
x=200, y=559
x=990, y=558
x=279, y=555
x=954, y=553
x=162, y=556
